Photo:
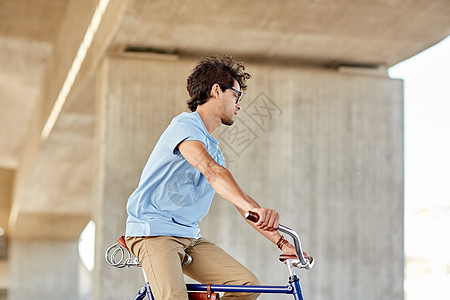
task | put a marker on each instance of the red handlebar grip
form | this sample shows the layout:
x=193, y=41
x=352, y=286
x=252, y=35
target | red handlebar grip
x=252, y=216
x=283, y=257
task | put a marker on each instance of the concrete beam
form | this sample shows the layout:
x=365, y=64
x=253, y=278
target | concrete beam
x=54, y=176
x=58, y=185
x=84, y=47
x=22, y=70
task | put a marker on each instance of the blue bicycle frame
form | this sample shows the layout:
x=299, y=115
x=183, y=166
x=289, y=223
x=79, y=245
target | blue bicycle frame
x=292, y=289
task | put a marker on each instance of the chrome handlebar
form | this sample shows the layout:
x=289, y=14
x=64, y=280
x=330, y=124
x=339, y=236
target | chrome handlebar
x=301, y=261
x=304, y=262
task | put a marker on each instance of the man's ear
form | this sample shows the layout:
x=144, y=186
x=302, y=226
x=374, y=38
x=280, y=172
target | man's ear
x=215, y=91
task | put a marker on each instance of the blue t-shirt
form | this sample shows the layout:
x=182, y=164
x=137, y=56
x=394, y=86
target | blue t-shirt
x=173, y=196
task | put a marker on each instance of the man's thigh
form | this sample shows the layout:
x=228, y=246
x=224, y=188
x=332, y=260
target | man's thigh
x=211, y=264
x=161, y=259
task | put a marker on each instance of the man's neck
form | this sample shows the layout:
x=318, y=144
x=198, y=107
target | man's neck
x=210, y=120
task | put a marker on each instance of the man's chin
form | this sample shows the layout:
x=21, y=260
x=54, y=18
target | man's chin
x=228, y=122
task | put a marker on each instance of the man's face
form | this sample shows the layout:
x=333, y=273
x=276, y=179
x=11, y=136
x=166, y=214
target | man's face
x=231, y=105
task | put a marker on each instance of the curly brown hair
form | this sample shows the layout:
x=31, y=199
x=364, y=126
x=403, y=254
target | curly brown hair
x=209, y=71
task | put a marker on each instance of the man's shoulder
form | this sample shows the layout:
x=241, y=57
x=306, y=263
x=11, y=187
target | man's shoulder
x=186, y=118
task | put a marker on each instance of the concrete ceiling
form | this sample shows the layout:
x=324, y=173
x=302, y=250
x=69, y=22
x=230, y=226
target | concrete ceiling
x=322, y=32
x=39, y=40
x=26, y=37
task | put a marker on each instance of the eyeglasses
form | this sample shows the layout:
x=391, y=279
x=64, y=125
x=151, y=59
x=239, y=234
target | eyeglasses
x=238, y=93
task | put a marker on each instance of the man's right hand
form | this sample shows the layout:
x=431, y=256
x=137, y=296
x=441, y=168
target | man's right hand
x=268, y=219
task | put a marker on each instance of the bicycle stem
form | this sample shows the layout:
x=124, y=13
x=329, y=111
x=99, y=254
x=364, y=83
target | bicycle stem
x=306, y=263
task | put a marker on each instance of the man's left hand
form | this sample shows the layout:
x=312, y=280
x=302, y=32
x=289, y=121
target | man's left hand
x=288, y=249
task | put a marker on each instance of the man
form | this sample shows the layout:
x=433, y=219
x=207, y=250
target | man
x=177, y=185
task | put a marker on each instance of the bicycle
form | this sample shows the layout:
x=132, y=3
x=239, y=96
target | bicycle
x=115, y=256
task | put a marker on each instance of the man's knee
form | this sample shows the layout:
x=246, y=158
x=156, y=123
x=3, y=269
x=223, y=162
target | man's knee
x=253, y=280
x=249, y=279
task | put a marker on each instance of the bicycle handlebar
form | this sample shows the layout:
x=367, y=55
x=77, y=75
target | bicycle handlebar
x=305, y=262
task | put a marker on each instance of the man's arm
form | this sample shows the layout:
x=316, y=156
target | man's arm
x=224, y=184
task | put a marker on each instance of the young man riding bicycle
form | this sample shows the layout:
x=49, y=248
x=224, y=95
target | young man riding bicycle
x=184, y=171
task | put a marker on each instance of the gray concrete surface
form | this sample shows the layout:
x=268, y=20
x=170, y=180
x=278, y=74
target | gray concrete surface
x=44, y=269
x=324, y=148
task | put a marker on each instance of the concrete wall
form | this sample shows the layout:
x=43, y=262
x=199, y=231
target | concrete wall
x=324, y=148
x=43, y=269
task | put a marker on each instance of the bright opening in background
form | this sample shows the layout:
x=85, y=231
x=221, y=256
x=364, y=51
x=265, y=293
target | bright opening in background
x=427, y=172
x=86, y=245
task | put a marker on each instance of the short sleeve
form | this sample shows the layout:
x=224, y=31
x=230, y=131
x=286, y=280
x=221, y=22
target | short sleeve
x=184, y=129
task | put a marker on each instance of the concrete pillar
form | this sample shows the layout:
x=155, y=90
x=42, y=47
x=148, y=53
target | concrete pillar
x=43, y=269
x=324, y=148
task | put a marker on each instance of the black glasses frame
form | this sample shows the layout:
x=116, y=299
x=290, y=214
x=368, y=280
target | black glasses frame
x=239, y=93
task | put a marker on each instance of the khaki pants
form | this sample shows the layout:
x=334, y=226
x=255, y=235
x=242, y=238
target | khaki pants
x=161, y=258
